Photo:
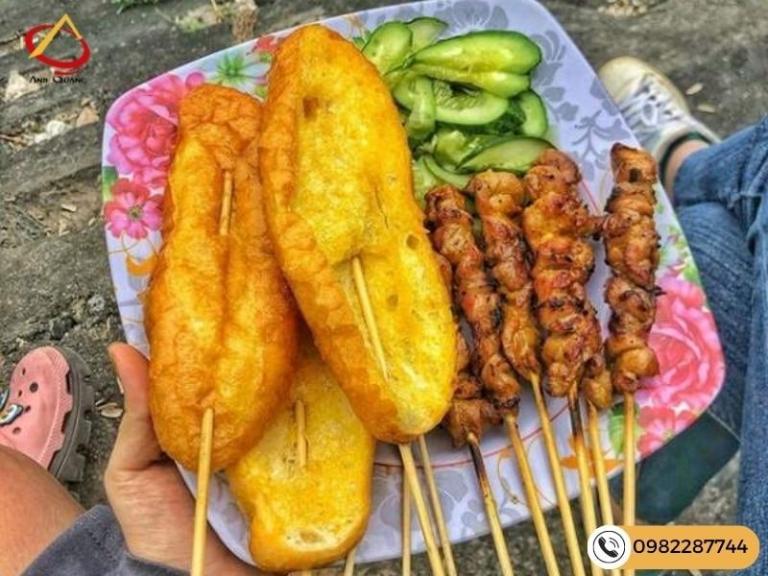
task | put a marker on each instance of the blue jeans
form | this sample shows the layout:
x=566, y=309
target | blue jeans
x=721, y=198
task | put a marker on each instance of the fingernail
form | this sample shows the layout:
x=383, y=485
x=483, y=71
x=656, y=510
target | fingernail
x=114, y=369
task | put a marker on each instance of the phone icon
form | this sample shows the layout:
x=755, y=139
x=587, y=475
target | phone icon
x=608, y=548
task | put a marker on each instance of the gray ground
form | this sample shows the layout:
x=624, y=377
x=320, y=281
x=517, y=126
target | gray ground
x=54, y=281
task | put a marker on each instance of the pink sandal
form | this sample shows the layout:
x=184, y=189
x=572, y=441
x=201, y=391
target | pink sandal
x=44, y=411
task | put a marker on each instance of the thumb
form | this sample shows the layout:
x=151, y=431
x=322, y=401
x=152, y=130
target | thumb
x=136, y=446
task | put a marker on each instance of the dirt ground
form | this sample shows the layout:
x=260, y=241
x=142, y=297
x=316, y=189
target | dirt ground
x=54, y=282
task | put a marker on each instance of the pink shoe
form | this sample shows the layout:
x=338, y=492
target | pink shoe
x=43, y=412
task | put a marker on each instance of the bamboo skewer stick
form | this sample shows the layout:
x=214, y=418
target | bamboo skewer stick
x=491, y=510
x=406, y=563
x=201, y=502
x=601, y=476
x=595, y=444
x=349, y=565
x=406, y=453
x=414, y=489
x=206, y=427
x=558, y=478
x=300, y=414
x=437, y=508
x=629, y=464
x=532, y=496
x=586, y=497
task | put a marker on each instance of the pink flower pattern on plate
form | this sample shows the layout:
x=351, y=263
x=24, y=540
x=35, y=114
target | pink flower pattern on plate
x=145, y=122
x=685, y=340
x=132, y=210
x=659, y=425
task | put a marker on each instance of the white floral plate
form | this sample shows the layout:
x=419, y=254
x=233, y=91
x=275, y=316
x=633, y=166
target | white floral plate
x=139, y=135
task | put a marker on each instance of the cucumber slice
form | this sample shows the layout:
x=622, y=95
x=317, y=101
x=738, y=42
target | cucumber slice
x=484, y=51
x=515, y=154
x=388, y=46
x=421, y=120
x=423, y=180
x=458, y=180
x=502, y=84
x=452, y=146
x=425, y=31
x=465, y=107
x=535, y=123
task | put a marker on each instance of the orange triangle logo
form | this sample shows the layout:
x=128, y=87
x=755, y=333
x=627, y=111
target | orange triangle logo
x=53, y=32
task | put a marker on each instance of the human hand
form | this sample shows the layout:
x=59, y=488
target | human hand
x=153, y=506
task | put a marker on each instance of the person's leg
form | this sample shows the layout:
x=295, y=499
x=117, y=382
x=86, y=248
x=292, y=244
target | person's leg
x=34, y=510
x=735, y=175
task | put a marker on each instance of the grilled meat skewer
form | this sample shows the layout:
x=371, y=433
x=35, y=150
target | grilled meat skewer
x=557, y=225
x=453, y=238
x=631, y=243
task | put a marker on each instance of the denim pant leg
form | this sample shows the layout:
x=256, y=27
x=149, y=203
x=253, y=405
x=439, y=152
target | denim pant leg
x=734, y=174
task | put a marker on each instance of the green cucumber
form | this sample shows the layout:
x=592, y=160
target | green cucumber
x=421, y=120
x=388, y=46
x=465, y=107
x=484, y=51
x=423, y=180
x=502, y=84
x=458, y=180
x=425, y=31
x=514, y=154
x=451, y=146
x=535, y=123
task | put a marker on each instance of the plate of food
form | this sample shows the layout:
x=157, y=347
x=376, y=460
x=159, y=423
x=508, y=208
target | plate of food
x=400, y=225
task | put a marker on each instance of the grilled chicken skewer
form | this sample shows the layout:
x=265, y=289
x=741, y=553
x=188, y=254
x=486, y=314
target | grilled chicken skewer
x=631, y=244
x=500, y=199
x=491, y=391
x=557, y=226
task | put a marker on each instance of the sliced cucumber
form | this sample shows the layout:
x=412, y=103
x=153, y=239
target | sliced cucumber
x=451, y=146
x=535, y=123
x=421, y=120
x=507, y=124
x=465, y=107
x=502, y=84
x=458, y=180
x=515, y=154
x=425, y=31
x=423, y=180
x=484, y=51
x=388, y=46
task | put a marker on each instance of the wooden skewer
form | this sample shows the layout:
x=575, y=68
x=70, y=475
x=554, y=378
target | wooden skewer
x=586, y=497
x=532, y=496
x=206, y=428
x=406, y=453
x=629, y=464
x=491, y=510
x=414, y=489
x=601, y=476
x=558, y=478
x=406, y=536
x=201, y=501
x=437, y=507
x=349, y=565
x=301, y=445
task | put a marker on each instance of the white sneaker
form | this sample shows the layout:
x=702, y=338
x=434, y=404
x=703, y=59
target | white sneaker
x=653, y=107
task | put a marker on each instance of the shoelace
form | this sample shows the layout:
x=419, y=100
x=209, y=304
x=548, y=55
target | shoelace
x=647, y=108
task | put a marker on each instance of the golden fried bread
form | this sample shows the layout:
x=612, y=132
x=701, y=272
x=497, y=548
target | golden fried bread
x=335, y=166
x=302, y=517
x=219, y=317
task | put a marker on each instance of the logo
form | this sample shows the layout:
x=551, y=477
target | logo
x=37, y=50
x=608, y=547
